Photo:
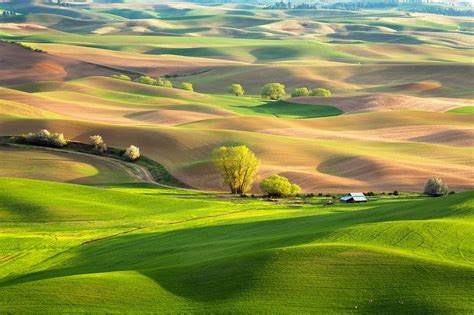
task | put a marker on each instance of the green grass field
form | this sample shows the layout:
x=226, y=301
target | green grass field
x=141, y=248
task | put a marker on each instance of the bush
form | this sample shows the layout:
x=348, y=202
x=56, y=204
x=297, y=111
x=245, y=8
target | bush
x=57, y=140
x=321, y=92
x=302, y=91
x=164, y=83
x=146, y=80
x=273, y=91
x=98, y=143
x=452, y=192
x=187, y=86
x=435, y=187
x=237, y=89
x=396, y=193
x=279, y=187
x=121, y=77
x=132, y=153
x=45, y=138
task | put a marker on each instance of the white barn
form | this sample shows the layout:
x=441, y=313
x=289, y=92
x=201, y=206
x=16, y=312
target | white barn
x=353, y=197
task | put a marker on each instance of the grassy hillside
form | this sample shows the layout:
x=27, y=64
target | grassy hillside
x=149, y=249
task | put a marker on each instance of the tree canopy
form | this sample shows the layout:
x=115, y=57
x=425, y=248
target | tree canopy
x=273, y=91
x=237, y=89
x=238, y=166
x=321, y=92
x=279, y=186
x=302, y=91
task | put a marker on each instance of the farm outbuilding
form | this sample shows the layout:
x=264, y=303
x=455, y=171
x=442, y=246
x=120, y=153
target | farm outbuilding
x=353, y=197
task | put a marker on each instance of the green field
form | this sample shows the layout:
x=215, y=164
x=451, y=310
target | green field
x=137, y=247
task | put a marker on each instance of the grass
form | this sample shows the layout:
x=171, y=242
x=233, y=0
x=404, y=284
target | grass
x=462, y=110
x=196, y=252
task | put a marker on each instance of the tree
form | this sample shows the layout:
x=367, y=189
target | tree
x=46, y=138
x=57, y=140
x=187, y=86
x=98, y=143
x=321, y=92
x=435, y=187
x=237, y=166
x=132, y=153
x=237, y=89
x=302, y=91
x=273, y=91
x=279, y=187
x=146, y=80
x=164, y=83
x=121, y=77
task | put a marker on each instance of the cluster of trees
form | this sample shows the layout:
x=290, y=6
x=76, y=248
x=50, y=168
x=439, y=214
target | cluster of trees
x=288, y=6
x=8, y=13
x=132, y=153
x=276, y=91
x=45, y=138
x=238, y=167
x=152, y=81
x=408, y=7
x=304, y=91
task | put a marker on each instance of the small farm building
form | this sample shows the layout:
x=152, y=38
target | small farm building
x=354, y=197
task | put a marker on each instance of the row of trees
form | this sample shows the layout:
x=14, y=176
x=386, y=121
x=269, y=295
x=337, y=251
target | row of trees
x=8, y=13
x=152, y=81
x=276, y=91
x=56, y=139
x=273, y=91
x=238, y=168
x=304, y=91
x=132, y=153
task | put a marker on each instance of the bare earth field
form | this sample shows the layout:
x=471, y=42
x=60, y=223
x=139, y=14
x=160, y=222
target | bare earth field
x=401, y=98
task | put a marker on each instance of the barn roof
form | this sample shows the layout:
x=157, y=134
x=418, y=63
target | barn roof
x=357, y=194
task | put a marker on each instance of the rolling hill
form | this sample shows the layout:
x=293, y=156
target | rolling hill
x=202, y=253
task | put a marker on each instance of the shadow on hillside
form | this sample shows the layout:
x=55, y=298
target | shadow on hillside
x=283, y=109
x=216, y=262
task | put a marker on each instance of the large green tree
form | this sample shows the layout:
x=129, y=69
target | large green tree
x=273, y=91
x=238, y=166
x=237, y=89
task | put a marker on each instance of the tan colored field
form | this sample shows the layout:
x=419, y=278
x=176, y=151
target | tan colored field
x=394, y=77
x=383, y=102
x=20, y=65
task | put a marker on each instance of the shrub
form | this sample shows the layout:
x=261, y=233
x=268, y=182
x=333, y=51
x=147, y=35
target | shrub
x=237, y=89
x=164, y=83
x=121, y=77
x=57, y=140
x=435, y=187
x=132, y=153
x=396, y=193
x=452, y=192
x=302, y=91
x=45, y=138
x=273, y=91
x=279, y=187
x=98, y=143
x=321, y=92
x=146, y=80
x=187, y=86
